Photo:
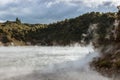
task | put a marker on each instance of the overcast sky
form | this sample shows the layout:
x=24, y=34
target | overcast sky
x=48, y=11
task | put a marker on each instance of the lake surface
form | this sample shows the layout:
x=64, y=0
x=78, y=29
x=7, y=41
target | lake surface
x=47, y=63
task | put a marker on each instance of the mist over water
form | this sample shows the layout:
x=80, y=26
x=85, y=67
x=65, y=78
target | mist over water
x=48, y=63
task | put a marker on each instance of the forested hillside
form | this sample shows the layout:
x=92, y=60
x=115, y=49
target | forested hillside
x=66, y=32
x=15, y=32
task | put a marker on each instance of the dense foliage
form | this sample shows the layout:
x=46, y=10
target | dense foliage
x=64, y=32
x=70, y=31
x=109, y=61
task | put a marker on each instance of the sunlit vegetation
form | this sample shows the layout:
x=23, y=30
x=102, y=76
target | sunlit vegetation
x=15, y=31
x=68, y=31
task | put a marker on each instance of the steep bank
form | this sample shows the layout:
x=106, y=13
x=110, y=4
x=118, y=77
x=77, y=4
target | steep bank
x=109, y=62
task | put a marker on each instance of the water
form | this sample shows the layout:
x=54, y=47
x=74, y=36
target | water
x=47, y=63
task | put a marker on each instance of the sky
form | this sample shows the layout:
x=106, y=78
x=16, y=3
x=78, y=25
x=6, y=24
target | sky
x=49, y=11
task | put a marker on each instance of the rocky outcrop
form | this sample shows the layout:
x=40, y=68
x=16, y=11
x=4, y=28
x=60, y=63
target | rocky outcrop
x=109, y=62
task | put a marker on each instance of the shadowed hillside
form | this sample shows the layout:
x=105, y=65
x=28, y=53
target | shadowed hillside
x=109, y=62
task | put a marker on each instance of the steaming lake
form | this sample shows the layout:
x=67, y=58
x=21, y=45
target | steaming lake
x=47, y=63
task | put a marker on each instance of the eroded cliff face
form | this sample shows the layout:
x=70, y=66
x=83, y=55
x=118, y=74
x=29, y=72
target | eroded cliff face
x=109, y=62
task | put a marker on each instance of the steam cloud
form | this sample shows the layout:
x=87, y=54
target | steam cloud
x=64, y=63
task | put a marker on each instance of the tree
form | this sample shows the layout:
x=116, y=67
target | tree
x=18, y=21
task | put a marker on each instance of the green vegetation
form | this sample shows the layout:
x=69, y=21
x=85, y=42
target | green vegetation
x=70, y=31
x=109, y=63
x=64, y=32
x=15, y=32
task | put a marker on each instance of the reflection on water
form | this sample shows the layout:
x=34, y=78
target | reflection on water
x=47, y=63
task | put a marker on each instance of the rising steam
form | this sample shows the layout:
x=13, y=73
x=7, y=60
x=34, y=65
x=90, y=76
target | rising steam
x=48, y=63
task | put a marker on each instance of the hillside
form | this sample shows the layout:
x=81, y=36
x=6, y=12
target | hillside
x=109, y=62
x=66, y=32
x=15, y=32
x=71, y=31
